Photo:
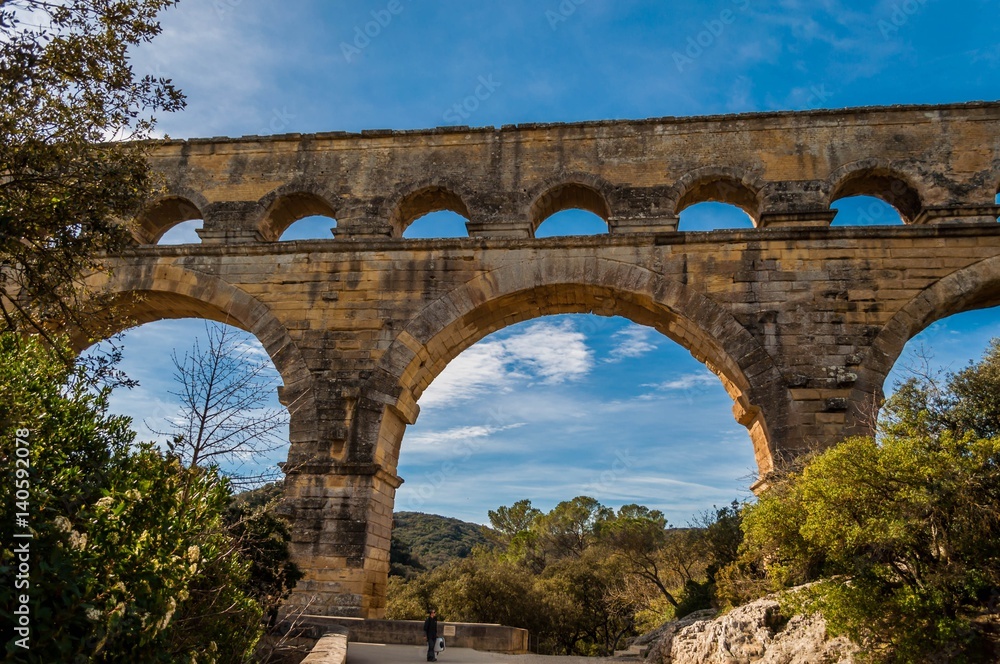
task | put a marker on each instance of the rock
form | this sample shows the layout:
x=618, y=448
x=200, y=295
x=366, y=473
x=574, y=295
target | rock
x=755, y=633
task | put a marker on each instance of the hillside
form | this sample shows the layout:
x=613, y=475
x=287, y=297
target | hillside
x=425, y=541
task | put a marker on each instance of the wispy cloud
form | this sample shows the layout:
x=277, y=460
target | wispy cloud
x=633, y=341
x=544, y=352
x=685, y=382
x=467, y=438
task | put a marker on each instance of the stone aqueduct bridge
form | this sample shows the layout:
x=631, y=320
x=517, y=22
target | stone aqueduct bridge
x=800, y=321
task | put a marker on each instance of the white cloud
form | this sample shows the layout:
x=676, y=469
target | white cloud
x=634, y=342
x=461, y=441
x=543, y=352
x=688, y=384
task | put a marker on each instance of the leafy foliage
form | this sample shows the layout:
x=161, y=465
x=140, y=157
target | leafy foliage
x=67, y=96
x=263, y=540
x=902, y=531
x=130, y=557
x=581, y=578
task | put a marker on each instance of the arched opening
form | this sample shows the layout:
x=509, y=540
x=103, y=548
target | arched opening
x=185, y=232
x=972, y=292
x=722, y=189
x=511, y=295
x=712, y=216
x=865, y=211
x=566, y=405
x=159, y=408
x=312, y=215
x=572, y=222
x=571, y=210
x=882, y=184
x=170, y=220
x=310, y=228
x=436, y=210
x=440, y=224
x=946, y=345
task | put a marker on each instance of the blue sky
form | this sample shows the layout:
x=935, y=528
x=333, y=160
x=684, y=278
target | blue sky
x=560, y=406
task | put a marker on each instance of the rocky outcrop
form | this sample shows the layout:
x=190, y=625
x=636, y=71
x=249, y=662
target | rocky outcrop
x=750, y=634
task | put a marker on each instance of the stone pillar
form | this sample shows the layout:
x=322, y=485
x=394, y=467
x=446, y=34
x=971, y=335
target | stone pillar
x=341, y=517
x=230, y=222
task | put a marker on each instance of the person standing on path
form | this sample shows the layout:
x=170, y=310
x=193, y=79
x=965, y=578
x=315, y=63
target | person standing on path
x=431, y=630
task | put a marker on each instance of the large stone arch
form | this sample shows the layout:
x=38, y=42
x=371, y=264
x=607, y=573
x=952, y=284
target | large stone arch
x=519, y=292
x=158, y=291
x=881, y=179
x=974, y=287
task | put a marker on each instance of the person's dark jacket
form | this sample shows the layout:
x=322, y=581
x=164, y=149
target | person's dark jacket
x=431, y=627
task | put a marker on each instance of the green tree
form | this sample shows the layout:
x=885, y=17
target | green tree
x=129, y=557
x=904, y=531
x=68, y=95
x=571, y=526
x=510, y=521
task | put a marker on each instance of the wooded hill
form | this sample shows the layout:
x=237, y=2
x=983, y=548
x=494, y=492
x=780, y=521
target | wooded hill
x=424, y=541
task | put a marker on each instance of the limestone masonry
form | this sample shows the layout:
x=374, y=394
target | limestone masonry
x=800, y=321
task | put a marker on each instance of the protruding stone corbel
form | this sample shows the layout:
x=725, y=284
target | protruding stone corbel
x=663, y=224
x=500, y=228
x=966, y=214
x=797, y=219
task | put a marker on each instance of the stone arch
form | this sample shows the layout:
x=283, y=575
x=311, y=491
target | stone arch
x=287, y=204
x=877, y=178
x=720, y=184
x=422, y=198
x=162, y=291
x=572, y=191
x=165, y=212
x=520, y=292
x=974, y=287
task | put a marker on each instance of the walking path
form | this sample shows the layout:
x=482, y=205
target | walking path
x=372, y=653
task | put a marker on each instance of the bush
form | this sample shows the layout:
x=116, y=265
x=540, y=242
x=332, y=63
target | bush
x=129, y=557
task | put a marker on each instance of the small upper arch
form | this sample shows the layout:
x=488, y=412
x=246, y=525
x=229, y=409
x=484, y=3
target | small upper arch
x=720, y=184
x=287, y=204
x=577, y=191
x=423, y=198
x=876, y=178
x=163, y=213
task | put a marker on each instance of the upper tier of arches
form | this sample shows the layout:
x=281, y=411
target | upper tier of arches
x=519, y=213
